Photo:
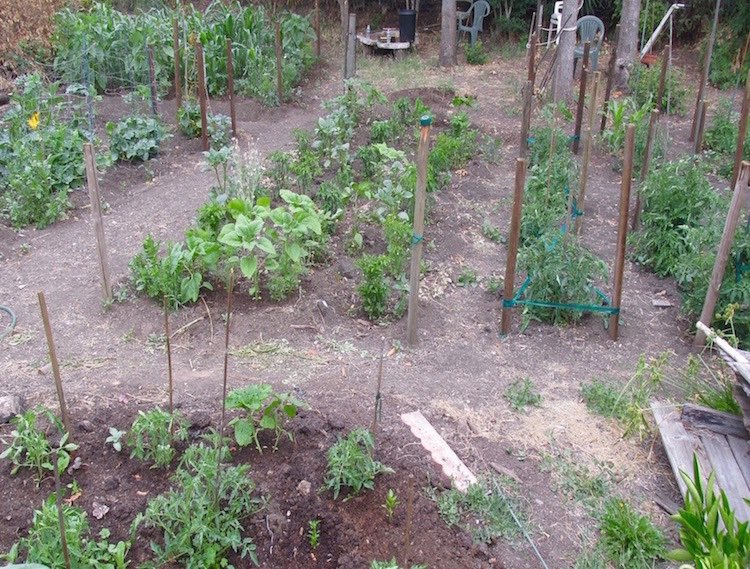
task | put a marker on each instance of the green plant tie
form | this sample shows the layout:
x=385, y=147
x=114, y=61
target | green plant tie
x=531, y=140
x=605, y=308
x=574, y=137
x=416, y=239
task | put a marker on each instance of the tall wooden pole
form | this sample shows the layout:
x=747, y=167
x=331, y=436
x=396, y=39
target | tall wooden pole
x=666, y=57
x=176, y=47
x=513, y=241
x=54, y=362
x=645, y=166
x=152, y=81
x=420, y=198
x=742, y=132
x=722, y=256
x=318, y=39
x=230, y=87
x=202, y=95
x=588, y=135
x=622, y=231
x=698, y=143
x=532, y=59
x=350, y=62
x=92, y=181
x=610, y=79
x=581, y=96
x=279, y=48
x=167, y=335
x=523, y=147
x=704, y=75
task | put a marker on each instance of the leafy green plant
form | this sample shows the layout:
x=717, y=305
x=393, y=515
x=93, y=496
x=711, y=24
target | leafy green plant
x=390, y=504
x=721, y=137
x=628, y=538
x=374, y=289
x=43, y=544
x=219, y=130
x=351, y=466
x=115, y=438
x=201, y=516
x=644, y=84
x=522, y=394
x=313, y=533
x=264, y=410
x=30, y=447
x=623, y=113
x=392, y=564
x=711, y=535
x=713, y=388
x=189, y=119
x=153, y=435
x=467, y=278
x=603, y=399
x=492, y=232
x=476, y=54
x=135, y=138
x=577, y=481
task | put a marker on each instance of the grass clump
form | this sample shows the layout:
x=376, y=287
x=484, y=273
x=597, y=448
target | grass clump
x=476, y=54
x=351, y=466
x=629, y=539
x=576, y=480
x=522, y=394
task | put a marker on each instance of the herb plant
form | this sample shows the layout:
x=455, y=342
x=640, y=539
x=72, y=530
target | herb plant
x=390, y=504
x=351, y=467
x=313, y=533
x=115, y=438
x=189, y=119
x=153, y=434
x=476, y=54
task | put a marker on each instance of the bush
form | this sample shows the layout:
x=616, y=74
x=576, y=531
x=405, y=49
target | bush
x=644, y=83
x=135, y=138
x=721, y=137
x=189, y=119
x=476, y=54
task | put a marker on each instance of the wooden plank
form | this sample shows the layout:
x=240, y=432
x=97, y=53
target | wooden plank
x=729, y=477
x=716, y=421
x=441, y=453
x=741, y=450
x=679, y=444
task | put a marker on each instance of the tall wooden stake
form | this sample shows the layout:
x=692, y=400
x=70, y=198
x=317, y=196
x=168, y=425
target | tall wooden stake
x=409, y=521
x=60, y=515
x=350, y=62
x=378, y=399
x=610, y=79
x=202, y=95
x=532, y=59
x=278, y=46
x=704, y=75
x=152, y=81
x=742, y=132
x=523, y=146
x=420, y=197
x=230, y=290
x=581, y=200
x=698, y=143
x=622, y=230
x=513, y=240
x=666, y=57
x=53, y=361
x=92, y=181
x=176, y=45
x=645, y=166
x=169, y=359
x=230, y=87
x=725, y=246
x=317, y=29
x=581, y=96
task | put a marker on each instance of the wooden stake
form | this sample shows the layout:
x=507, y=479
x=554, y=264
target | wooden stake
x=152, y=81
x=622, y=230
x=60, y=514
x=523, y=146
x=725, y=246
x=610, y=79
x=698, y=146
x=581, y=96
x=230, y=290
x=230, y=87
x=53, y=361
x=169, y=358
x=317, y=29
x=532, y=60
x=581, y=199
x=202, y=95
x=278, y=46
x=378, y=400
x=663, y=77
x=409, y=521
x=742, y=131
x=645, y=166
x=176, y=45
x=704, y=75
x=92, y=181
x=350, y=63
x=420, y=197
x=513, y=241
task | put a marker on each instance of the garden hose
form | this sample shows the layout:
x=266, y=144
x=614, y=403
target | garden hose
x=12, y=324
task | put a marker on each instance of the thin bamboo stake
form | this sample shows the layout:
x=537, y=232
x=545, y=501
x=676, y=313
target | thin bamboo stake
x=610, y=79
x=698, y=145
x=378, y=400
x=742, y=131
x=60, y=514
x=152, y=81
x=92, y=181
x=409, y=521
x=645, y=166
x=278, y=47
x=622, y=230
x=317, y=29
x=722, y=256
x=169, y=359
x=230, y=290
x=420, y=197
x=704, y=74
x=581, y=96
x=513, y=241
x=202, y=95
x=523, y=146
x=230, y=87
x=581, y=200
x=666, y=57
x=532, y=60
x=176, y=45
x=54, y=362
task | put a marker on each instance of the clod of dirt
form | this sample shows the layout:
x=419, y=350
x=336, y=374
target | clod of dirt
x=199, y=420
x=346, y=268
x=336, y=424
x=87, y=426
x=10, y=406
x=110, y=483
x=304, y=488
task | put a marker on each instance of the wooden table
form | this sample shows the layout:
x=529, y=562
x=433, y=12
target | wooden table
x=386, y=40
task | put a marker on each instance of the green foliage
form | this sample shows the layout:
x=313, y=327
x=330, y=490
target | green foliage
x=30, y=448
x=454, y=148
x=484, y=510
x=43, y=544
x=721, y=137
x=521, y=394
x=603, y=399
x=219, y=130
x=476, y=54
x=373, y=290
x=189, y=119
x=392, y=564
x=467, y=278
x=264, y=410
x=728, y=67
x=629, y=539
x=711, y=535
x=350, y=464
x=153, y=435
x=492, y=232
x=713, y=388
x=546, y=196
x=390, y=504
x=135, y=138
x=623, y=113
x=576, y=481
x=313, y=533
x=201, y=516
x=644, y=83
x=115, y=438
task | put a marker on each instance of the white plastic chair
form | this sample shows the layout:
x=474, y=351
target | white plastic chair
x=555, y=22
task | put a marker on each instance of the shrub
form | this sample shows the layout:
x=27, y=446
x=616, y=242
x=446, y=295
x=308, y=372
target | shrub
x=644, y=84
x=373, y=290
x=350, y=464
x=721, y=137
x=476, y=54
x=189, y=119
x=135, y=138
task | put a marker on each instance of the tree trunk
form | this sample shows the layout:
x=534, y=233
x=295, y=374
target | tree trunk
x=448, y=34
x=627, y=42
x=563, y=87
x=344, y=11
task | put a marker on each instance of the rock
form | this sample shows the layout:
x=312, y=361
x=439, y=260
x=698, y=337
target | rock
x=322, y=306
x=110, y=483
x=10, y=406
x=87, y=426
x=304, y=488
x=336, y=424
x=199, y=420
x=346, y=268
x=99, y=510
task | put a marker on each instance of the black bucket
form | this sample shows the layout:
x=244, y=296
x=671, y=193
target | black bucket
x=407, y=25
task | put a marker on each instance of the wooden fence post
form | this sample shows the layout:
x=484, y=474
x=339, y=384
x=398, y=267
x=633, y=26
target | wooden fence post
x=279, y=48
x=528, y=97
x=622, y=231
x=725, y=246
x=742, y=132
x=610, y=79
x=317, y=29
x=418, y=232
x=54, y=362
x=513, y=241
x=663, y=77
x=230, y=87
x=645, y=166
x=704, y=74
x=350, y=63
x=92, y=182
x=202, y=95
x=532, y=59
x=152, y=81
x=176, y=46
x=581, y=96
x=698, y=143
x=580, y=201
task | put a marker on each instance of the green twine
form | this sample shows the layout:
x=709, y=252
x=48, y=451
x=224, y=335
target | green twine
x=416, y=239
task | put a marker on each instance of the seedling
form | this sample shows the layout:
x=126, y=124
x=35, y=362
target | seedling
x=313, y=533
x=350, y=464
x=392, y=564
x=391, y=503
x=492, y=232
x=152, y=435
x=521, y=394
x=467, y=278
x=115, y=438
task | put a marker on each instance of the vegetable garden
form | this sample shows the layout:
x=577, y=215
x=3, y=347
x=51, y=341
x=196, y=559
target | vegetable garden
x=233, y=398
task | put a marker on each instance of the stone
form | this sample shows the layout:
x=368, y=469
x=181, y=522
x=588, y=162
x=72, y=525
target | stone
x=304, y=488
x=10, y=406
x=87, y=426
x=110, y=483
x=346, y=268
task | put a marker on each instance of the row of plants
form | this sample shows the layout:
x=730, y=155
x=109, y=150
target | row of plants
x=721, y=138
x=110, y=47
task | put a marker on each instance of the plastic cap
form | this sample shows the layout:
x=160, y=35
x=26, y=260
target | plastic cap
x=426, y=120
